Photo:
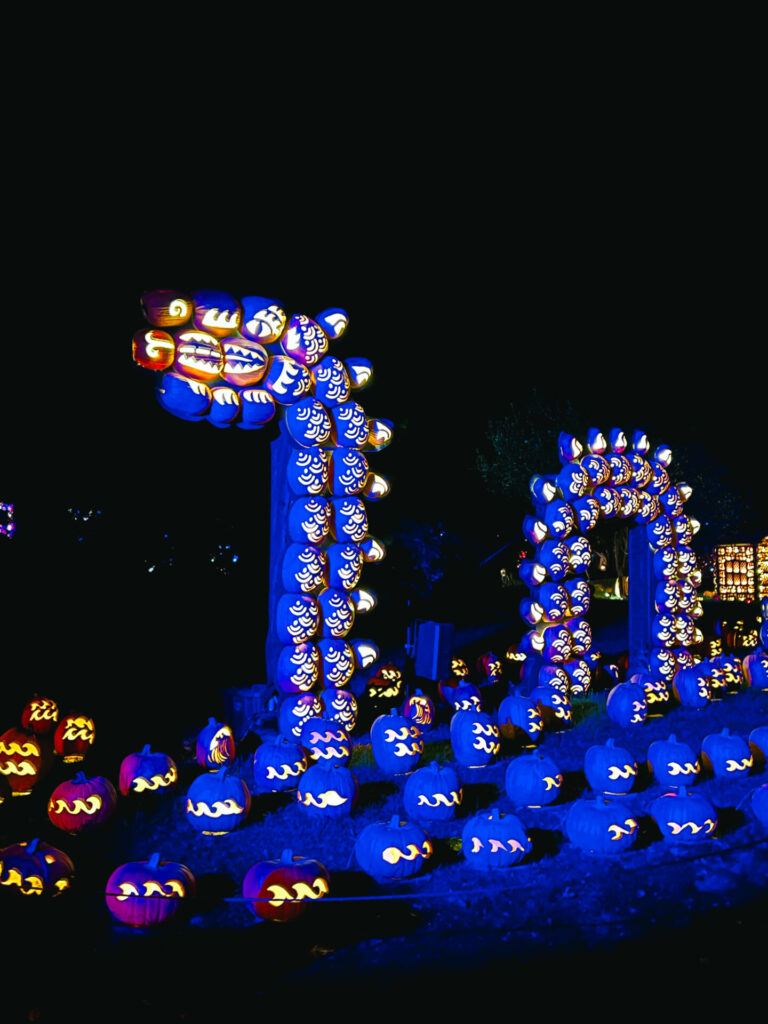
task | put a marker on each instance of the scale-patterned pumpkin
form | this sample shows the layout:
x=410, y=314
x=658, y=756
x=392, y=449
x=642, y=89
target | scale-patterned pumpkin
x=147, y=772
x=432, y=793
x=81, y=804
x=602, y=825
x=610, y=769
x=672, y=762
x=684, y=816
x=726, y=755
x=278, y=765
x=533, y=780
x=491, y=839
x=396, y=743
x=340, y=707
x=217, y=802
x=35, y=868
x=328, y=790
x=215, y=745
x=756, y=670
x=475, y=738
x=146, y=893
x=282, y=889
x=393, y=849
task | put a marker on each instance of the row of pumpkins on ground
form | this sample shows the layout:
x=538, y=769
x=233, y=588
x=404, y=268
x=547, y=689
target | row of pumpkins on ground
x=218, y=802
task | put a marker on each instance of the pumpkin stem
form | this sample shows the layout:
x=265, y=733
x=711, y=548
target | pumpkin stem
x=154, y=861
x=32, y=845
x=286, y=857
x=395, y=821
x=81, y=778
x=145, y=748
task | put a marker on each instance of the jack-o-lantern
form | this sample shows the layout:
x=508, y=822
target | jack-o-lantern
x=579, y=675
x=263, y=319
x=199, y=357
x=626, y=704
x=217, y=803
x=393, y=849
x=396, y=743
x=147, y=772
x=553, y=598
x=432, y=793
x=287, y=380
x=491, y=839
x=41, y=715
x=756, y=670
x=307, y=471
x=328, y=790
x=35, y=868
x=297, y=618
x=147, y=893
x=24, y=759
x=519, y=718
x=419, y=709
x=602, y=825
x=298, y=667
x=74, y=737
x=662, y=664
x=325, y=742
x=304, y=340
x=331, y=383
x=579, y=596
x=597, y=469
x=308, y=422
x=350, y=425
x=295, y=710
x=758, y=745
x=278, y=764
x=533, y=780
x=572, y=481
x=726, y=755
x=215, y=745
x=309, y=520
x=684, y=816
x=304, y=569
x=554, y=707
x=337, y=612
x=245, y=361
x=340, y=707
x=282, y=889
x=672, y=762
x=489, y=666
x=164, y=307
x=725, y=673
x=610, y=769
x=337, y=662
x=475, y=738
x=81, y=804
x=691, y=687
x=461, y=695
x=656, y=694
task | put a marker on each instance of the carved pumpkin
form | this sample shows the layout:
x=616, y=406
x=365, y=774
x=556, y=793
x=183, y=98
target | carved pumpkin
x=672, y=762
x=461, y=695
x=691, y=687
x=325, y=742
x=74, y=737
x=35, y=869
x=24, y=759
x=758, y=744
x=295, y=710
x=554, y=707
x=340, y=707
x=726, y=755
x=610, y=769
x=475, y=738
x=393, y=849
x=759, y=804
x=215, y=745
x=419, y=709
x=533, y=780
x=520, y=719
x=491, y=839
x=298, y=667
x=309, y=520
x=278, y=890
x=626, y=704
x=432, y=793
x=40, y=715
x=147, y=893
x=217, y=803
x=684, y=816
x=328, y=790
x=656, y=694
x=396, y=743
x=145, y=772
x=756, y=670
x=601, y=825
x=278, y=764
x=81, y=804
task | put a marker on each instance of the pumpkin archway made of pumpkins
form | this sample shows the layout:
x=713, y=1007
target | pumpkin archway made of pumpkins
x=607, y=479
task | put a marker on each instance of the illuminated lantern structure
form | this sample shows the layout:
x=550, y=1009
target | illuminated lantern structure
x=35, y=869
x=147, y=772
x=735, y=572
x=24, y=759
x=613, y=478
x=74, y=737
x=217, y=803
x=282, y=889
x=82, y=804
x=491, y=839
x=395, y=849
x=147, y=893
x=243, y=362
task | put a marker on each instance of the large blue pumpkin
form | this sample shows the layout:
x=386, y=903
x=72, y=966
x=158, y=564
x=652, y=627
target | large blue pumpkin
x=684, y=816
x=328, y=790
x=396, y=743
x=432, y=793
x=393, y=849
x=475, y=738
x=610, y=769
x=491, y=839
x=672, y=762
x=602, y=825
x=533, y=780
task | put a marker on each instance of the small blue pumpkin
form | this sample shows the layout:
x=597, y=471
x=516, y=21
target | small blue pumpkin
x=726, y=755
x=626, y=704
x=277, y=765
x=396, y=743
x=432, y=793
x=328, y=790
x=217, y=802
x=601, y=825
x=491, y=839
x=393, y=849
x=673, y=762
x=684, y=816
x=610, y=769
x=691, y=687
x=519, y=718
x=475, y=738
x=533, y=780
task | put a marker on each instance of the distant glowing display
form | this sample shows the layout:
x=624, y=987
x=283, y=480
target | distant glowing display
x=7, y=525
x=761, y=552
x=735, y=572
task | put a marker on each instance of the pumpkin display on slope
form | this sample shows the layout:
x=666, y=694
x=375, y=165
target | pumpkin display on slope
x=672, y=762
x=81, y=804
x=217, y=803
x=393, y=849
x=24, y=759
x=432, y=793
x=726, y=755
x=610, y=769
x=475, y=738
x=74, y=737
x=684, y=816
x=278, y=890
x=533, y=780
x=491, y=839
x=147, y=772
x=278, y=765
x=328, y=790
x=147, y=893
x=602, y=825
x=396, y=743
x=215, y=745
x=35, y=868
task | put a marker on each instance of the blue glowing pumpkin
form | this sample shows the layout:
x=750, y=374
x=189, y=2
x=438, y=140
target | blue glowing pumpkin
x=393, y=849
x=328, y=790
x=601, y=825
x=432, y=793
x=217, y=802
x=626, y=704
x=726, y=755
x=396, y=743
x=683, y=816
x=519, y=718
x=491, y=839
x=278, y=765
x=610, y=769
x=672, y=762
x=533, y=780
x=475, y=738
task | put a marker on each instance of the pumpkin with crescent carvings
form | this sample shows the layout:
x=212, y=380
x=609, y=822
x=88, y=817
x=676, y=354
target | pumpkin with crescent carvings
x=147, y=893
x=393, y=849
x=491, y=839
x=81, y=804
x=432, y=793
x=283, y=889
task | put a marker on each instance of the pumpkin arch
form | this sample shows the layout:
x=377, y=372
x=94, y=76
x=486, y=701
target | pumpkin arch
x=606, y=479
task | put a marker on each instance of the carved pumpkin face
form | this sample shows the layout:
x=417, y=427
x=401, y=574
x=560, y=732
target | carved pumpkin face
x=40, y=715
x=217, y=802
x=146, y=893
x=396, y=743
x=82, y=804
x=215, y=745
x=74, y=737
x=147, y=772
x=394, y=849
x=35, y=869
x=282, y=890
x=491, y=839
x=23, y=760
x=245, y=362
